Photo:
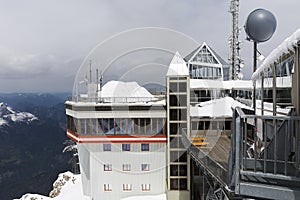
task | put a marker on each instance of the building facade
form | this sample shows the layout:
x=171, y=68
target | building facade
x=131, y=144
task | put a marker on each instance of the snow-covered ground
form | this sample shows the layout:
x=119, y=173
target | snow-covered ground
x=68, y=187
x=8, y=114
x=149, y=197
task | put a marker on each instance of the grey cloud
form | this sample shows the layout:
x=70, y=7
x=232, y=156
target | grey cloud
x=43, y=43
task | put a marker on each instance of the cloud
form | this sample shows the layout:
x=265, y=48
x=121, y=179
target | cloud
x=25, y=66
x=43, y=43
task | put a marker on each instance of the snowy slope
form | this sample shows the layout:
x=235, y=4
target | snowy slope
x=68, y=187
x=8, y=115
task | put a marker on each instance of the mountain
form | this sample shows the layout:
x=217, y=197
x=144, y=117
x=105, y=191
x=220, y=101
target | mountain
x=31, y=143
x=8, y=116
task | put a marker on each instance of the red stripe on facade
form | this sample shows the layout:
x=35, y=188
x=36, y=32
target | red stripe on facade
x=113, y=139
x=123, y=141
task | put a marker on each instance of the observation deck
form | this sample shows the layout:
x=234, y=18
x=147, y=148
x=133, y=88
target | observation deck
x=241, y=168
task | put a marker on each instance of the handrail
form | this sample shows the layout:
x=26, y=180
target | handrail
x=114, y=99
x=214, y=168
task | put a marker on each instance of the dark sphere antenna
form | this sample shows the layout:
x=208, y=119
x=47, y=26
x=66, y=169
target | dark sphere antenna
x=260, y=25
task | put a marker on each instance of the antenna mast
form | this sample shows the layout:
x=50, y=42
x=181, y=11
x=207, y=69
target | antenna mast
x=90, y=71
x=234, y=59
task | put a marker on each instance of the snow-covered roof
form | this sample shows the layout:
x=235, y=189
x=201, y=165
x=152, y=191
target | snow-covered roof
x=124, y=89
x=218, y=84
x=285, y=47
x=178, y=66
x=238, y=84
x=216, y=108
x=206, y=83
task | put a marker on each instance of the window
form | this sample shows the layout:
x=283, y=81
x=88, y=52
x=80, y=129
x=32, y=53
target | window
x=145, y=167
x=126, y=167
x=145, y=147
x=107, y=167
x=126, y=147
x=107, y=187
x=106, y=147
x=145, y=187
x=127, y=187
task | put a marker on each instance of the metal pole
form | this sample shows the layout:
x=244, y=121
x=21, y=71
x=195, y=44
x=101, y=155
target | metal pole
x=254, y=69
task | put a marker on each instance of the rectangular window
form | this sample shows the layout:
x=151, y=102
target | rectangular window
x=107, y=167
x=125, y=147
x=145, y=167
x=126, y=167
x=107, y=187
x=145, y=147
x=106, y=147
x=145, y=187
x=127, y=187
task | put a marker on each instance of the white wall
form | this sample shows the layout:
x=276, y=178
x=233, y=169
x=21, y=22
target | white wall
x=156, y=177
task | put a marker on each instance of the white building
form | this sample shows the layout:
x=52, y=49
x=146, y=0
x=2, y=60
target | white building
x=130, y=142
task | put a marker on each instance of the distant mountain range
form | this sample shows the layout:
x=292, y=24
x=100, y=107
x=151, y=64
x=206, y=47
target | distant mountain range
x=32, y=133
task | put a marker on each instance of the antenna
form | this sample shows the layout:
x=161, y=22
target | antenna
x=90, y=71
x=97, y=78
x=101, y=80
x=234, y=42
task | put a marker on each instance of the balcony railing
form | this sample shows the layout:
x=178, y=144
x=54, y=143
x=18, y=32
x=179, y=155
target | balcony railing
x=265, y=163
x=114, y=99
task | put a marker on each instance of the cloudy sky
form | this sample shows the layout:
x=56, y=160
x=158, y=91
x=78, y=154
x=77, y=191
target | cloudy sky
x=44, y=42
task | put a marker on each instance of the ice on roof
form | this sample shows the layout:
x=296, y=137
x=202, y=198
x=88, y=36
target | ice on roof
x=216, y=108
x=285, y=47
x=178, y=66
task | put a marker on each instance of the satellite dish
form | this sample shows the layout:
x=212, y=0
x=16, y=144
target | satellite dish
x=260, y=25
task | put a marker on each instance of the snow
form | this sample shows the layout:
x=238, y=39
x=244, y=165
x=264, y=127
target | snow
x=219, y=84
x=8, y=114
x=178, y=66
x=121, y=92
x=147, y=197
x=285, y=47
x=124, y=89
x=2, y=122
x=22, y=116
x=10, y=110
x=216, y=108
x=67, y=187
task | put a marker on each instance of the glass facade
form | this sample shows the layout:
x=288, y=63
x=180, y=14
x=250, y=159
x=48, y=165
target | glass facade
x=178, y=105
x=117, y=126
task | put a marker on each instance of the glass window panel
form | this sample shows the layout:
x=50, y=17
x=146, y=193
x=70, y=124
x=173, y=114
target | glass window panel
x=182, y=170
x=174, y=184
x=174, y=170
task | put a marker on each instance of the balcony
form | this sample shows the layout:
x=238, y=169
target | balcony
x=265, y=164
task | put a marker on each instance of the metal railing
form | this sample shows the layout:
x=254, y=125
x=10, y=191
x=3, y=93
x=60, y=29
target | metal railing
x=114, y=99
x=268, y=156
x=215, y=170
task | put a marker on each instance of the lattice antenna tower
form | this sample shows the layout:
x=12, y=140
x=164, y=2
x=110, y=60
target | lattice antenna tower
x=234, y=42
